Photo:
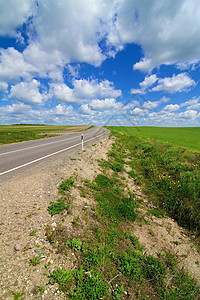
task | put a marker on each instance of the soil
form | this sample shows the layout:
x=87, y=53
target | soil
x=25, y=197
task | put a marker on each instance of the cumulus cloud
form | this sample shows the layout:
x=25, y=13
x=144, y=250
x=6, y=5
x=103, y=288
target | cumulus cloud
x=28, y=93
x=84, y=90
x=168, y=31
x=190, y=102
x=3, y=86
x=148, y=81
x=73, y=31
x=189, y=114
x=13, y=66
x=143, y=109
x=86, y=110
x=171, y=107
x=14, y=13
x=101, y=105
x=139, y=112
x=177, y=83
x=23, y=113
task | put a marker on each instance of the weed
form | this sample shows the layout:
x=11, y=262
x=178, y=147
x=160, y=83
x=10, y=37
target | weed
x=103, y=181
x=130, y=264
x=117, y=167
x=63, y=278
x=136, y=242
x=89, y=285
x=156, y=212
x=32, y=233
x=35, y=260
x=42, y=290
x=56, y=207
x=74, y=244
x=75, y=220
x=66, y=185
x=92, y=256
x=118, y=292
x=126, y=209
x=151, y=233
x=17, y=295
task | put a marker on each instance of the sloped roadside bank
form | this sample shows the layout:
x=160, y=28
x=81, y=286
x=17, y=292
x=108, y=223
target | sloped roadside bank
x=95, y=241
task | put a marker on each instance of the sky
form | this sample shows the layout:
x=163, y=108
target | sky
x=100, y=62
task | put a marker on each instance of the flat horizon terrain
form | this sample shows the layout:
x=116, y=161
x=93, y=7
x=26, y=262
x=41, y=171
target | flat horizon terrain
x=25, y=132
x=188, y=137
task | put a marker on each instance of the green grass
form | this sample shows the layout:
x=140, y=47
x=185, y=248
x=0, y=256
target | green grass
x=63, y=203
x=188, y=137
x=18, y=133
x=171, y=174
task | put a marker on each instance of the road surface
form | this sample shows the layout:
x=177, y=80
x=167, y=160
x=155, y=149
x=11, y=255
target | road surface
x=20, y=155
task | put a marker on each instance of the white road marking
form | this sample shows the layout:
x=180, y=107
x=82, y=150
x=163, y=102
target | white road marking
x=50, y=143
x=46, y=156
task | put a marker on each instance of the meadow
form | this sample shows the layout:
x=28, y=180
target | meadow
x=25, y=132
x=188, y=137
x=168, y=171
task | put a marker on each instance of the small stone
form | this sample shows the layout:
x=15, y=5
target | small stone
x=17, y=247
x=38, y=251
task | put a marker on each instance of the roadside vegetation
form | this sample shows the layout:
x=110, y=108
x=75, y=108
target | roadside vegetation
x=110, y=262
x=170, y=175
x=24, y=132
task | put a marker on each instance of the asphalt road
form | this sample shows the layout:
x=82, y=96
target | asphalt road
x=20, y=155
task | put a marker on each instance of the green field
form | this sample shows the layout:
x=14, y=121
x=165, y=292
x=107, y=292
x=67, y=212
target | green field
x=18, y=133
x=188, y=137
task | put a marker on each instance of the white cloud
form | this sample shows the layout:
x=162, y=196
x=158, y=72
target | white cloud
x=28, y=93
x=102, y=105
x=194, y=106
x=74, y=29
x=61, y=92
x=3, y=86
x=14, y=13
x=84, y=90
x=63, y=31
x=61, y=110
x=15, y=109
x=149, y=105
x=13, y=66
x=139, y=112
x=190, y=102
x=171, y=107
x=148, y=81
x=189, y=114
x=137, y=91
x=168, y=31
x=86, y=110
x=177, y=83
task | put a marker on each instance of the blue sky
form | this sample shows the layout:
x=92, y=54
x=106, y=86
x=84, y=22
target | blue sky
x=101, y=62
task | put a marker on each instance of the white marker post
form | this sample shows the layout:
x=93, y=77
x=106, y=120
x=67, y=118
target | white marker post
x=82, y=141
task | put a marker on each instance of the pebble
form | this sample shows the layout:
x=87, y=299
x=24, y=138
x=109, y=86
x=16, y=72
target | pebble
x=17, y=247
x=38, y=251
